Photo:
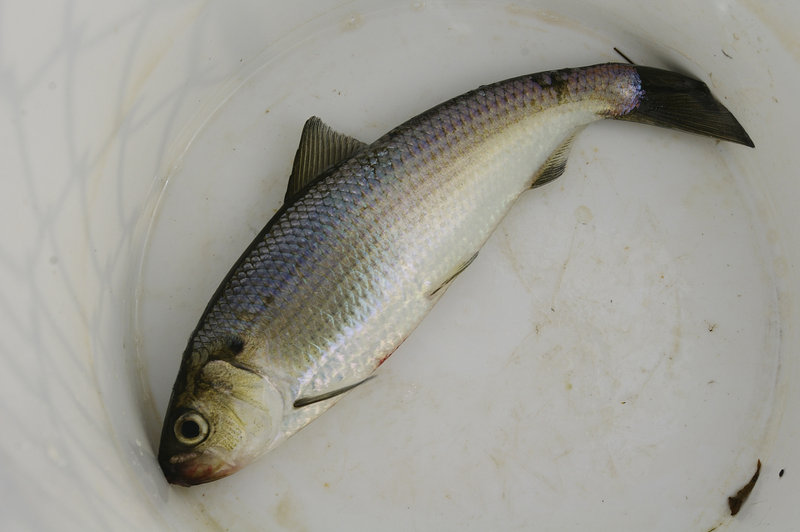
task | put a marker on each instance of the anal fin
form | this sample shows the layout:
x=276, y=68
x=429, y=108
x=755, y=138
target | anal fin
x=555, y=165
x=461, y=268
x=300, y=402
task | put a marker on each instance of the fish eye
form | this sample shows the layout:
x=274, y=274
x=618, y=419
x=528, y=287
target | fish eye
x=191, y=428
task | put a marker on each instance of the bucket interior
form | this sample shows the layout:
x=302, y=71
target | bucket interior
x=619, y=356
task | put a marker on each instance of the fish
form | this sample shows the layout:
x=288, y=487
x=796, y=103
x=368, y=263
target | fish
x=369, y=238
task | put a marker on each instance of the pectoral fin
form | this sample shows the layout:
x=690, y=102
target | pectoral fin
x=555, y=165
x=320, y=148
x=305, y=401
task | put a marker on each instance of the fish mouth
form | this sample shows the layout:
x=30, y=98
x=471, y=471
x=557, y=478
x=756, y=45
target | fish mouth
x=192, y=468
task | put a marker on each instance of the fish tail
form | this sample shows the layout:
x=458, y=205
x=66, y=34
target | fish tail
x=672, y=100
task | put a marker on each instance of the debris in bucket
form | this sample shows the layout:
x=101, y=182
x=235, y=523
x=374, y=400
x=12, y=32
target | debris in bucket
x=735, y=503
x=625, y=57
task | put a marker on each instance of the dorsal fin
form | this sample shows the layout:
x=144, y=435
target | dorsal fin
x=320, y=148
x=555, y=165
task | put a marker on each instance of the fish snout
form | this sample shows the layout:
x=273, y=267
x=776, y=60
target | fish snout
x=192, y=468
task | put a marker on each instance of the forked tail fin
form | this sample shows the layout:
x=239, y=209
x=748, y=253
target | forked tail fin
x=675, y=101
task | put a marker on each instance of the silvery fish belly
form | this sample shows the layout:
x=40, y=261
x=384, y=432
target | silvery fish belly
x=368, y=239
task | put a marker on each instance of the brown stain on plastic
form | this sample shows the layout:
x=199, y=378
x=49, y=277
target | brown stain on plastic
x=352, y=23
x=288, y=514
x=781, y=27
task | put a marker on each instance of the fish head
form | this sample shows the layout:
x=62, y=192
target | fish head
x=221, y=417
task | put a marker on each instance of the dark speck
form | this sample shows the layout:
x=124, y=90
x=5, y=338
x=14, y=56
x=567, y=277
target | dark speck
x=235, y=344
x=780, y=473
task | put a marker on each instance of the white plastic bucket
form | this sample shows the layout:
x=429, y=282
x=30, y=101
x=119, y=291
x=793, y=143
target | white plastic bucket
x=618, y=357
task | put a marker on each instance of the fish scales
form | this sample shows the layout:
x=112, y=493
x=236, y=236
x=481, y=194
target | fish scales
x=351, y=232
x=348, y=267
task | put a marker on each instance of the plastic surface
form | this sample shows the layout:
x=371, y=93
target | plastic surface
x=618, y=357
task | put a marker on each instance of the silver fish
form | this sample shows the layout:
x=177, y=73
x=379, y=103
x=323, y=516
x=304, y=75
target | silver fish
x=371, y=236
